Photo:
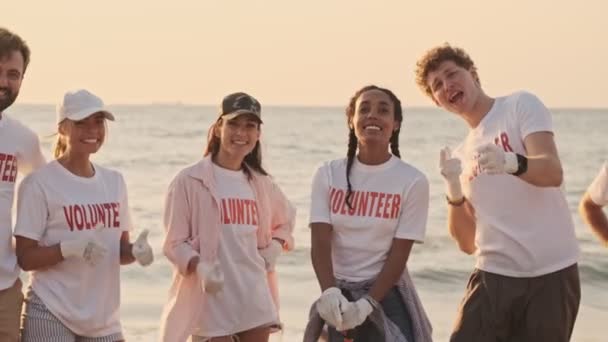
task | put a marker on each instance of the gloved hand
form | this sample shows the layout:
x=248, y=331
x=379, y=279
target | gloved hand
x=494, y=160
x=356, y=313
x=141, y=250
x=450, y=169
x=211, y=276
x=330, y=306
x=89, y=248
x=271, y=253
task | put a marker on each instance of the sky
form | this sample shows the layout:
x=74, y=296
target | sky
x=307, y=53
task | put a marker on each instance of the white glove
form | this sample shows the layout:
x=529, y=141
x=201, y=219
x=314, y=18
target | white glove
x=271, y=253
x=141, y=250
x=450, y=169
x=355, y=313
x=89, y=248
x=494, y=160
x=211, y=276
x=330, y=306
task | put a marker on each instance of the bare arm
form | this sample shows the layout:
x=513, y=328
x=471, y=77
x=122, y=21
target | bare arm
x=392, y=269
x=31, y=256
x=320, y=252
x=595, y=217
x=126, y=249
x=462, y=227
x=544, y=166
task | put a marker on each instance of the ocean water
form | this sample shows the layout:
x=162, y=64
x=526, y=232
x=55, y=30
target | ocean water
x=149, y=144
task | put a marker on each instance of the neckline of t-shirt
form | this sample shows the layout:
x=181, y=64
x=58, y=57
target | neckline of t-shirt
x=227, y=172
x=374, y=168
x=67, y=172
x=490, y=113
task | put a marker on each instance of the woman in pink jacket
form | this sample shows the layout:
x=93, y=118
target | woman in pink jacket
x=227, y=222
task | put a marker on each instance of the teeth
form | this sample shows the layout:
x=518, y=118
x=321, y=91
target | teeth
x=372, y=127
x=90, y=141
x=240, y=142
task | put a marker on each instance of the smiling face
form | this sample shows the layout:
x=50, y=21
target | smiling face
x=374, y=118
x=454, y=88
x=85, y=136
x=238, y=136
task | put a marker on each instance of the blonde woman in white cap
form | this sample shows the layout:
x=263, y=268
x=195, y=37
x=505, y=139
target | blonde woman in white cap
x=72, y=233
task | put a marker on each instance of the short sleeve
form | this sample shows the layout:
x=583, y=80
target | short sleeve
x=533, y=115
x=319, y=196
x=31, y=158
x=414, y=211
x=125, y=210
x=598, y=189
x=32, y=210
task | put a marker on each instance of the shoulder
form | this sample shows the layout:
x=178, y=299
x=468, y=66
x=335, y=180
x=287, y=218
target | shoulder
x=18, y=128
x=46, y=173
x=409, y=171
x=335, y=164
x=109, y=175
x=522, y=97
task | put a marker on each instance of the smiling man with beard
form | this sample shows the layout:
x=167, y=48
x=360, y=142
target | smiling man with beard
x=505, y=206
x=19, y=152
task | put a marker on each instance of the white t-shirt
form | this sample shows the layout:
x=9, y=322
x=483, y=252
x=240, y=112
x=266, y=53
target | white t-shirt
x=55, y=205
x=19, y=152
x=389, y=201
x=245, y=301
x=522, y=230
x=598, y=189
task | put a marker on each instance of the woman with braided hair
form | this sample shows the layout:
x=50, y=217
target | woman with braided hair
x=367, y=210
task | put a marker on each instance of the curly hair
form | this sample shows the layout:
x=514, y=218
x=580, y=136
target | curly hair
x=433, y=58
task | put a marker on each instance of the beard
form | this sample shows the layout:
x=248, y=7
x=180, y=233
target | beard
x=8, y=99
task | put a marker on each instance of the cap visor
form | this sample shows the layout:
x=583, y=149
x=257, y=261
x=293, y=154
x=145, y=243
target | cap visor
x=83, y=114
x=242, y=112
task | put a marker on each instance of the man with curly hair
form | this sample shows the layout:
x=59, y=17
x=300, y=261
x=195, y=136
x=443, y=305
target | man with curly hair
x=505, y=206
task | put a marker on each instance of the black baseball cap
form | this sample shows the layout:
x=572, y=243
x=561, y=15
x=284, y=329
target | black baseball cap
x=240, y=103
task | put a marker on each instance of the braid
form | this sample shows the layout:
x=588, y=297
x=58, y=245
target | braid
x=395, y=143
x=352, y=151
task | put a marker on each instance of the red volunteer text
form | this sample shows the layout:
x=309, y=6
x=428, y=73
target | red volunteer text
x=87, y=216
x=8, y=168
x=239, y=211
x=365, y=203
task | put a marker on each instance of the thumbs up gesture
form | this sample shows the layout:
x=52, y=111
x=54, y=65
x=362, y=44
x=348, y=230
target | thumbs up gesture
x=142, y=251
x=450, y=169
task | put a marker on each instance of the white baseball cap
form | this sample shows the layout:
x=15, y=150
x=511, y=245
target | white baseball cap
x=80, y=104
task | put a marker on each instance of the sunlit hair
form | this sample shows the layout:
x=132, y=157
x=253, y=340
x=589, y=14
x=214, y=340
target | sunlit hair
x=352, y=138
x=252, y=161
x=10, y=42
x=433, y=58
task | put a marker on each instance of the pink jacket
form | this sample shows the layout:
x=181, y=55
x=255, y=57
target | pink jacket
x=192, y=222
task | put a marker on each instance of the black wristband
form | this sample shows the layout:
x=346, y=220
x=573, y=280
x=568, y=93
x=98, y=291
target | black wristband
x=522, y=165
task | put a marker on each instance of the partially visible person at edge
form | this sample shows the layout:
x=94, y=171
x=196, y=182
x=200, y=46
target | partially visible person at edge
x=72, y=233
x=505, y=206
x=226, y=224
x=19, y=152
x=367, y=210
x=592, y=203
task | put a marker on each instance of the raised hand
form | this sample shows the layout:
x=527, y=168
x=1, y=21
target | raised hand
x=142, y=251
x=494, y=160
